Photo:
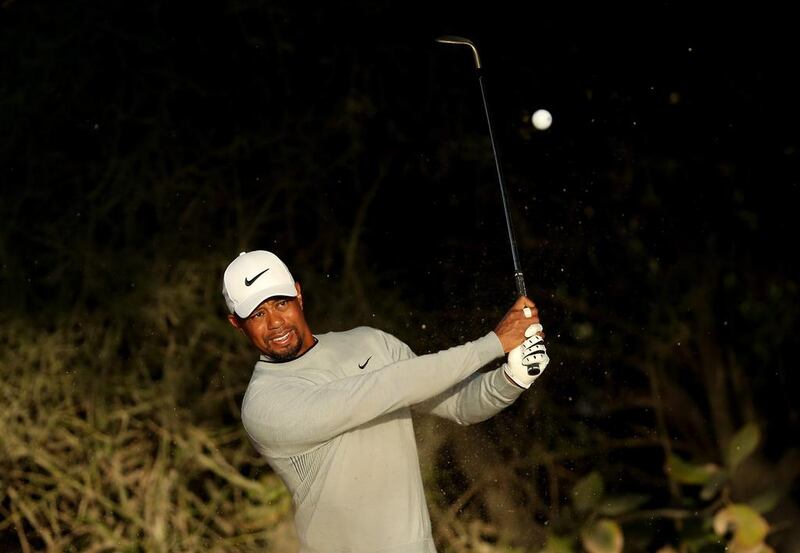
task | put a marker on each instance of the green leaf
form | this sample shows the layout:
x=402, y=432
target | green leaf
x=749, y=528
x=604, y=536
x=616, y=505
x=697, y=535
x=714, y=485
x=767, y=501
x=743, y=443
x=587, y=492
x=689, y=473
x=558, y=544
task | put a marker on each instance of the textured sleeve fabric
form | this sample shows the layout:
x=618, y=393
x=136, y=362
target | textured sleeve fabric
x=291, y=414
x=479, y=397
x=474, y=400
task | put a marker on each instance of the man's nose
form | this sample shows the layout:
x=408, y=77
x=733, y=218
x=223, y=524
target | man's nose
x=274, y=320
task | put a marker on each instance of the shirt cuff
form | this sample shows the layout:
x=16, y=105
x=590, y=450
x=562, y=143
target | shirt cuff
x=504, y=387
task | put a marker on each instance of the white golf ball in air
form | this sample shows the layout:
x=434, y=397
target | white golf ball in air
x=541, y=119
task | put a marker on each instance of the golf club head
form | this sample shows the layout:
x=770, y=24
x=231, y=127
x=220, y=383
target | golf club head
x=452, y=39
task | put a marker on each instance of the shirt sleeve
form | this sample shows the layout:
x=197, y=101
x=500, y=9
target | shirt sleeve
x=293, y=415
x=479, y=397
x=474, y=400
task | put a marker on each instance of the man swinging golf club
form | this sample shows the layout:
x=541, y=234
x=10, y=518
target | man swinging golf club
x=332, y=412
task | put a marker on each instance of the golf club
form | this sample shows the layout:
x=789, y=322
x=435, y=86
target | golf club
x=518, y=278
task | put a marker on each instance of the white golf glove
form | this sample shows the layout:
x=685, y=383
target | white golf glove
x=527, y=361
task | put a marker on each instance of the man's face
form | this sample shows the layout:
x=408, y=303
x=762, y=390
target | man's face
x=278, y=327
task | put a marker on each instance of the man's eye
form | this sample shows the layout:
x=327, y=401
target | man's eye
x=257, y=314
x=283, y=303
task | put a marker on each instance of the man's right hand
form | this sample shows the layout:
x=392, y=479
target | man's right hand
x=511, y=328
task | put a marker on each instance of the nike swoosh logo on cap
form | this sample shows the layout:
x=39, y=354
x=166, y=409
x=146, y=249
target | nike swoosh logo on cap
x=252, y=280
x=360, y=366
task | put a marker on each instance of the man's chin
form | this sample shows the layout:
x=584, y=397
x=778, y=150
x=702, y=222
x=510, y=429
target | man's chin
x=286, y=353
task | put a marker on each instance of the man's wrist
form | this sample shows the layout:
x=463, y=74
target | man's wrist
x=511, y=380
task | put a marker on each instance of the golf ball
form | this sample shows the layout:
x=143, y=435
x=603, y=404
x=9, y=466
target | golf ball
x=541, y=119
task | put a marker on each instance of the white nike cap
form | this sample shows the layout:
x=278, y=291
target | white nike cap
x=254, y=277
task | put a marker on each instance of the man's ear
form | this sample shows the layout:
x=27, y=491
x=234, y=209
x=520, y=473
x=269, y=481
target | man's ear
x=299, y=294
x=234, y=322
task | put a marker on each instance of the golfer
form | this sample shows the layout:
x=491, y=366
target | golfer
x=332, y=412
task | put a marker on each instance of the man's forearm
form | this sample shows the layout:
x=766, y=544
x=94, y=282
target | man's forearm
x=476, y=399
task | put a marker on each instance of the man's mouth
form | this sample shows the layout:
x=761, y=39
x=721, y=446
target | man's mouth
x=283, y=338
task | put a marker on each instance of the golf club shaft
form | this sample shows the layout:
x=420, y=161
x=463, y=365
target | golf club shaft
x=519, y=279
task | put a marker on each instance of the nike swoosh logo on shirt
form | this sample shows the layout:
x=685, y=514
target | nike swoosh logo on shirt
x=248, y=282
x=360, y=366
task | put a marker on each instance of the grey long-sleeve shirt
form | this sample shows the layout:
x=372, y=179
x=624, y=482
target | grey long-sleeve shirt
x=335, y=425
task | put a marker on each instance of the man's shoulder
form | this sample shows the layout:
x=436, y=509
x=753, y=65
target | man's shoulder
x=354, y=334
x=362, y=336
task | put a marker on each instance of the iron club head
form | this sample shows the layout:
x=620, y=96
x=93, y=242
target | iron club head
x=452, y=39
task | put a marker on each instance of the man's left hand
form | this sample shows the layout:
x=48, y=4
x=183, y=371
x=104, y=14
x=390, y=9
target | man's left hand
x=528, y=361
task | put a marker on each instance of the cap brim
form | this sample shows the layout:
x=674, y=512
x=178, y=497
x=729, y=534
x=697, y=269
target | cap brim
x=245, y=308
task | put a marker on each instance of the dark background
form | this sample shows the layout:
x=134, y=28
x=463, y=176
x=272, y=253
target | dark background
x=676, y=122
x=144, y=144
